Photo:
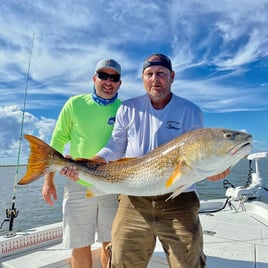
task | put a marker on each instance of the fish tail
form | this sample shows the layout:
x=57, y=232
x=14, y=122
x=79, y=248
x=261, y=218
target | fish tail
x=39, y=161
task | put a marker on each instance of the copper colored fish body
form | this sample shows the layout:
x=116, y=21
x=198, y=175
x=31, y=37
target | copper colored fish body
x=170, y=168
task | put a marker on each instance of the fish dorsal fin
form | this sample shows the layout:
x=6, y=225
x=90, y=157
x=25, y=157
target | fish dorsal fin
x=87, y=160
x=100, y=162
x=89, y=163
x=81, y=159
x=123, y=159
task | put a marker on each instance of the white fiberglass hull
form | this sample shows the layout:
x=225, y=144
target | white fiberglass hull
x=236, y=236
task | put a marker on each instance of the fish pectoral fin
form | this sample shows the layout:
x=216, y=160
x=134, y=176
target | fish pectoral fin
x=178, y=191
x=175, y=175
x=89, y=193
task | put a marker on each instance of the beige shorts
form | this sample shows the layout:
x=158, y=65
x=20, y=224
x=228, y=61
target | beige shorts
x=83, y=217
x=175, y=222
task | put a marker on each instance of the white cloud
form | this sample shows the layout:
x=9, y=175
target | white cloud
x=11, y=118
x=213, y=45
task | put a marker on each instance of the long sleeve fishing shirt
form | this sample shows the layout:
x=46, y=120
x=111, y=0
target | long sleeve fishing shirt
x=85, y=124
x=140, y=128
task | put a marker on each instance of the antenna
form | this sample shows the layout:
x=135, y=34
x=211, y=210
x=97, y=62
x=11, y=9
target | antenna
x=12, y=213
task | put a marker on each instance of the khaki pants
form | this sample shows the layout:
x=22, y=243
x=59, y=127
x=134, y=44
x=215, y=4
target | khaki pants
x=175, y=222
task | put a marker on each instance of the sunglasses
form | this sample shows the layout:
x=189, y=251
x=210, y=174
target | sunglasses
x=105, y=76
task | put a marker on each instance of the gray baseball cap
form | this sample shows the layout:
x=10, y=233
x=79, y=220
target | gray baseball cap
x=108, y=64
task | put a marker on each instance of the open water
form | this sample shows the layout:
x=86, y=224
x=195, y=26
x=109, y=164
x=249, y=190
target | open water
x=34, y=212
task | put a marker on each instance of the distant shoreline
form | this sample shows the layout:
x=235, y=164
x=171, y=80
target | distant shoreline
x=21, y=165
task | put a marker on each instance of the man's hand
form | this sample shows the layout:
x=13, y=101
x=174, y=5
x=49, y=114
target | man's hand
x=70, y=172
x=49, y=191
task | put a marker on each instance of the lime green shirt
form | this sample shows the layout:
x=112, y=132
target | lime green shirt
x=84, y=123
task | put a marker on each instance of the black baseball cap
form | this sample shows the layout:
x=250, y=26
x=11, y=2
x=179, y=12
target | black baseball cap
x=162, y=60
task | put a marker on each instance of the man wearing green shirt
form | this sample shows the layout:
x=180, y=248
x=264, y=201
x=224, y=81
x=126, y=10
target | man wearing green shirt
x=86, y=122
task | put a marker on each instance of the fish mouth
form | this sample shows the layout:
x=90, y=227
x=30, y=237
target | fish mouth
x=240, y=146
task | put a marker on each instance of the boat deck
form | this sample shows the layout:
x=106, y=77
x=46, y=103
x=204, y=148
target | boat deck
x=236, y=237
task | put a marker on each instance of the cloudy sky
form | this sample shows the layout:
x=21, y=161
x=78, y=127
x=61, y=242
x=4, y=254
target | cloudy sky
x=219, y=51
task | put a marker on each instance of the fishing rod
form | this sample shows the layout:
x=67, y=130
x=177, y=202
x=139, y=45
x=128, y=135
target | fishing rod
x=12, y=213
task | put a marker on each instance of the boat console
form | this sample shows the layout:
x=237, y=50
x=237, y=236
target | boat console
x=254, y=188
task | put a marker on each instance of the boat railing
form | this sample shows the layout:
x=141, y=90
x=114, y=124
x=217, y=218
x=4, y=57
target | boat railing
x=31, y=239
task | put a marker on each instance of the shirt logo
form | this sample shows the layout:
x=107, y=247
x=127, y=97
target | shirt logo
x=111, y=121
x=173, y=125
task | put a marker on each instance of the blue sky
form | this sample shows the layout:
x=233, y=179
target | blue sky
x=219, y=51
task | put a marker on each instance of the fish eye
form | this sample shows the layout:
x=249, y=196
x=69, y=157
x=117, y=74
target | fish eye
x=228, y=135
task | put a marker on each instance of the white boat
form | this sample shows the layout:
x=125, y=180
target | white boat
x=235, y=234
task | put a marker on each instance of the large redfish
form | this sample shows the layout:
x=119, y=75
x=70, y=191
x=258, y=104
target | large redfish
x=170, y=168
